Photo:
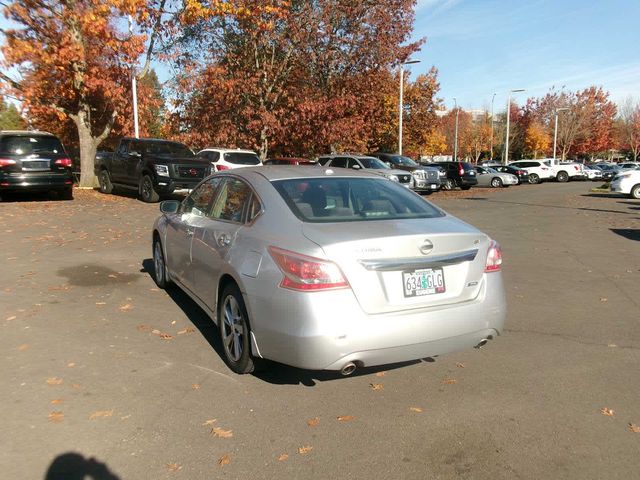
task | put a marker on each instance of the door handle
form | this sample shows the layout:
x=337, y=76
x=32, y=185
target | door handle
x=224, y=240
x=190, y=233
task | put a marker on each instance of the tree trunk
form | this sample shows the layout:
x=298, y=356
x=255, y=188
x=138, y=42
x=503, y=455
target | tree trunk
x=88, y=150
x=264, y=144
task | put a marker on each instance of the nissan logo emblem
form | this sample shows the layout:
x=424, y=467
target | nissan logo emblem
x=193, y=172
x=426, y=247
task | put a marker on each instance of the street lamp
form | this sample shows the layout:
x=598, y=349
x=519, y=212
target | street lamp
x=134, y=88
x=455, y=141
x=555, y=132
x=506, y=142
x=491, y=152
x=408, y=62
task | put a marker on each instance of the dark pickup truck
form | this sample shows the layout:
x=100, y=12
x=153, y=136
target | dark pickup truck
x=153, y=167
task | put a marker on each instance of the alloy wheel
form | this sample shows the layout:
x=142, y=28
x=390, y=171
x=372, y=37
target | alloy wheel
x=233, y=328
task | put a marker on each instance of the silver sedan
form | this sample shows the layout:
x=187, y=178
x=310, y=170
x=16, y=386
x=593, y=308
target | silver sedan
x=489, y=177
x=329, y=269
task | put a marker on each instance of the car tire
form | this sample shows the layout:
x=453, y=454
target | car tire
x=160, y=265
x=448, y=184
x=147, y=193
x=66, y=194
x=534, y=178
x=562, y=177
x=233, y=323
x=104, y=182
x=635, y=192
x=465, y=187
x=496, y=182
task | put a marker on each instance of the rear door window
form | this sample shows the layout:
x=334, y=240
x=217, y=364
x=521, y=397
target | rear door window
x=233, y=201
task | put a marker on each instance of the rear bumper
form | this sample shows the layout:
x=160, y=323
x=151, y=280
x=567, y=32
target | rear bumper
x=326, y=330
x=41, y=181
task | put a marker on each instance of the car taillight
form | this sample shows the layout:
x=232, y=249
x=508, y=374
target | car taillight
x=64, y=162
x=521, y=172
x=305, y=273
x=494, y=257
x=5, y=162
x=461, y=170
x=222, y=167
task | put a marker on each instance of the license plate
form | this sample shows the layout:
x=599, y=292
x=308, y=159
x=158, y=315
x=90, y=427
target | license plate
x=433, y=186
x=427, y=281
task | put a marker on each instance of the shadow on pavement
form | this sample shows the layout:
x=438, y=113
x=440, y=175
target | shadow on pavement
x=630, y=233
x=266, y=370
x=551, y=206
x=73, y=466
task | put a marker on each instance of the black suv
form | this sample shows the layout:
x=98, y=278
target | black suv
x=33, y=161
x=459, y=174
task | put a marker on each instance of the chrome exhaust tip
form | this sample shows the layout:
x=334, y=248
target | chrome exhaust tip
x=348, y=369
x=482, y=343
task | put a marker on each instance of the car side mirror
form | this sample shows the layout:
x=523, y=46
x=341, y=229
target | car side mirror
x=388, y=164
x=169, y=206
x=356, y=167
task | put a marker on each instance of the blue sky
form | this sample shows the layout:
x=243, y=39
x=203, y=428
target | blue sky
x=486, y=46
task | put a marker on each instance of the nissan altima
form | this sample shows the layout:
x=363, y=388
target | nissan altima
x=328, y=269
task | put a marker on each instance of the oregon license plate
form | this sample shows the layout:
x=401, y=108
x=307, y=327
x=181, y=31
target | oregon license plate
x=427, y=281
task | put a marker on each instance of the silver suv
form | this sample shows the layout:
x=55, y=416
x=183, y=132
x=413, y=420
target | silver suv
x=371, y=164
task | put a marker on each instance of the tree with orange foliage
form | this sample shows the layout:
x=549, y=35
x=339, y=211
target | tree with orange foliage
x=629, y=126
x=536, y=139
x=420, y=118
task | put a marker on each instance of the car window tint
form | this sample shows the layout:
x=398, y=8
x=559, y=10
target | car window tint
x=339, y=162
x=200, y=200
x=352, y=199
x=27, y=144
x=123, y=148
x=254, y=209
x=232, y=201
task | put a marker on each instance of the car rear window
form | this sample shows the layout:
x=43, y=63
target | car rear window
x=27, y=144
x=324, y=200
x=242, y=158
x=467, y=166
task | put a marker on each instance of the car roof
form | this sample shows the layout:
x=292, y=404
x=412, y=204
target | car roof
x=26, y=133
x=285, y=172
x=226, y=150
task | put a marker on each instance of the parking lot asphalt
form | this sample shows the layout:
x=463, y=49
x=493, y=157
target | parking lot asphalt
x=106, y=375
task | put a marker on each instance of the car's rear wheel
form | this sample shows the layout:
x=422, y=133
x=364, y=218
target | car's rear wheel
x=465, y=187
x=233, y=322
x=448, y=184
x=635, y=192
x=534, y=178
x=66, y=194
x=562, y=177
x=104, y=182
x=159, y=265
x=147, y=192
x=496, y=182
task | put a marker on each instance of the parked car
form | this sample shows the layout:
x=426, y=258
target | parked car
x=154, y=167
x=459, y=174
x=609, y=170
x=592, y=173
x=289, y=161
x=538, y=170
x=226, y=158
x=627, y=182
x=566, y=170
x=32, y=161
x=629, y=166
x=489, y=177
x=425, y=179
x=520, y=173
x=329, y=269
x=364, y=162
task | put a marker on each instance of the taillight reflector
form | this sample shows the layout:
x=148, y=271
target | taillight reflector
x=64, y=162
x=304, y=273
x=5, y=162
x=222, y=167
x=494, y=257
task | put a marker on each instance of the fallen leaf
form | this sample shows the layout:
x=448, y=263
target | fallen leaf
x=101, y=414
x=173, y=322
x=313, y=422
x=283, y=457
x=165, y=336
x=125, y=417
x=346, y=418
x=224, y=460
x=607, y=411
x=101, y=303
x=143, y=328
x=460, y=365
x=210, y=422
x=219, y=432
x=174, y=467
x=56, y=401
x=12, y=317
x=186, y=330
x=195, y=386
x=112, y=276
x=71, y=364
x=305, y=450
x=376, y=386
x=23, y=347
x=56, y=417
x=380, y=374
x=77, y=386
x=603, y=299
x=449, y=381
x=415, y=409
x=126, y=307
x=634, y=428
x=54, y=381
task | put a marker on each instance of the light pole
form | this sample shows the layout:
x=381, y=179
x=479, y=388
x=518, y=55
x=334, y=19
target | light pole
x=401, y=106
x=455, y=137
x=555, y=132
x=491, y=152
x=506, y=142
x=134, y=88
